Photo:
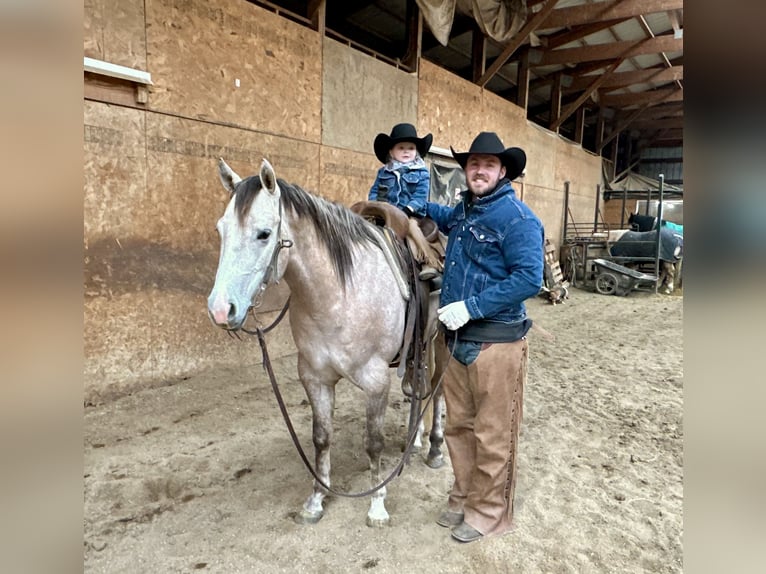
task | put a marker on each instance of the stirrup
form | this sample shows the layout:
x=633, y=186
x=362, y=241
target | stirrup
x=428, y=273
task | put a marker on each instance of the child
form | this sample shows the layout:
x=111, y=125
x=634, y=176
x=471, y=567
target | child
x=404, y=179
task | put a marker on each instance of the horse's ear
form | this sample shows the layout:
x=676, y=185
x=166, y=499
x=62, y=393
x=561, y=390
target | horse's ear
x=268, y=178
x=229, y=178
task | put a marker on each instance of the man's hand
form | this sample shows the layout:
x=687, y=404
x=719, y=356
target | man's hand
x=454, y=315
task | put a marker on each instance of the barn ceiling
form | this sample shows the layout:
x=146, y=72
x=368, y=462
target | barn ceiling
x=605, y=73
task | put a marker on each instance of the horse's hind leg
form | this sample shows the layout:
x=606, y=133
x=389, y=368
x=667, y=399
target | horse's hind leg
x=377, y=398
x=322, y=398
x=667, y=275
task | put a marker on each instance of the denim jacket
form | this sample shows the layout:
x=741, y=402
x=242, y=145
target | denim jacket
x=495, y=254
x=408, y=187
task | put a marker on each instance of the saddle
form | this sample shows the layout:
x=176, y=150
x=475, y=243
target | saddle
x=395, y=226
x=384, y=215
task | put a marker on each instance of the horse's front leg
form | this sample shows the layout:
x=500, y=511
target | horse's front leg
x=322, y=398
x=377, y=515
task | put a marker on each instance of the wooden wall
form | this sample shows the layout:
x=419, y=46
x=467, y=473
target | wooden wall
x=236, y=81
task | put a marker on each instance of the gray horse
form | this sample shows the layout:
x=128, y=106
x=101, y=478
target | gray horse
x=347, y=306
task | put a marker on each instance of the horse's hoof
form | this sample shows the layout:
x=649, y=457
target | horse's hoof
x=435, y=461
x=378, y=522
x=306, y=517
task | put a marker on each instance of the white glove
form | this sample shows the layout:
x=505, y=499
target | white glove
x=454, y=315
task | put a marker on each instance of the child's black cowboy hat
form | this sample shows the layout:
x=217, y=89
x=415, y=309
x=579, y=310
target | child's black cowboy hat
x=401, y=133
x=513, y=158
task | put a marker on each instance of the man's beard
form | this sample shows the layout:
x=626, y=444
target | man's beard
x=487, y=189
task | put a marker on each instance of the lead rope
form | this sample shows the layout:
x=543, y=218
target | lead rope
x=410, y=441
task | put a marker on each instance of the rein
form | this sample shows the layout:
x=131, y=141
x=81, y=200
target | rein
x=410, y=441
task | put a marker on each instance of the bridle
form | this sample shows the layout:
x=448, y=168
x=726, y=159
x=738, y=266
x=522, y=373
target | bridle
x=271, y=270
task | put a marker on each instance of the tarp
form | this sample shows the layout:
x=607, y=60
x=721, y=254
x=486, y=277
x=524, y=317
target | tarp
x=633, y=181
x=498, y=19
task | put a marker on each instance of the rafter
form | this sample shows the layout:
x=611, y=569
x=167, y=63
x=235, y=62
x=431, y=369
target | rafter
x=621, y=79
x=658, y=123
x=589, y=13
x=606, y=51
x=592, y=87
x=517, y=41
x=640, y=98
x=560, y=39
x=621, y=126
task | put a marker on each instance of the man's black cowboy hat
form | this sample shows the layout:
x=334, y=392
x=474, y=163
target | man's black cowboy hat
x=514, y=159
x=401, y=133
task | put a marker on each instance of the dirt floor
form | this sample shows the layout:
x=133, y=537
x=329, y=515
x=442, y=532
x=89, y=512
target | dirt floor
x=202, y=475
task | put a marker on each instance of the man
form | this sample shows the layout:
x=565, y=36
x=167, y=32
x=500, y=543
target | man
x=493, y=262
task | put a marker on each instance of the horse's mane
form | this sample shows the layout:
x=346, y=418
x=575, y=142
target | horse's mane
x=338, y=228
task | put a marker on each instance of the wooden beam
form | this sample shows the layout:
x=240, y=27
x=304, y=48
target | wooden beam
x=579, y=125
x=572, y=107
x=589, y=13
x=516, y=41
x=317, y=12
x=478, y=53
x=600, y=122
x=621, y=79
x=623, y=125
x=555, y=103
x=639, y=98
x=414, y=23
x=579, y=32
x=658, y=112
x=608, y=51
x=111, y=90
x=655, y=123
x=522, y=80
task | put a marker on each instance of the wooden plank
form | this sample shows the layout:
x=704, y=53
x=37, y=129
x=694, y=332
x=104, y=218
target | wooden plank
x=607, y=51
x=621, y=79
x=638, y=98
x=111, y=90
x=589, y=13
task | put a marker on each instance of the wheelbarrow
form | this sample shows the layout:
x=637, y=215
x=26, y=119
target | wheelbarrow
x=615, y=279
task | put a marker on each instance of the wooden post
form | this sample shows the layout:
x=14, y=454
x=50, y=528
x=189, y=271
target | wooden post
x=580, y=124
x=622, y=210
x=595, y=214
x=566, y=210
x=600, y=131
x=317, y=11
x=659, y=234
x=478, y=53
x=414, y=36
x=555, y=102
x=522, y=80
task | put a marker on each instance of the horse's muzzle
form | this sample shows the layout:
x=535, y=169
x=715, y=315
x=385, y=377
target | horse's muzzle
x=226, y=313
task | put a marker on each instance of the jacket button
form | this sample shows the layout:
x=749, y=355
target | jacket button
x=481, y=237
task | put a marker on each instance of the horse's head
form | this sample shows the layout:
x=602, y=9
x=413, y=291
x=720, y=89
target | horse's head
x=250, y=231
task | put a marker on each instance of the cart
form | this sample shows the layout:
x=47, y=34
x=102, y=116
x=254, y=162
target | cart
x=615, y=279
